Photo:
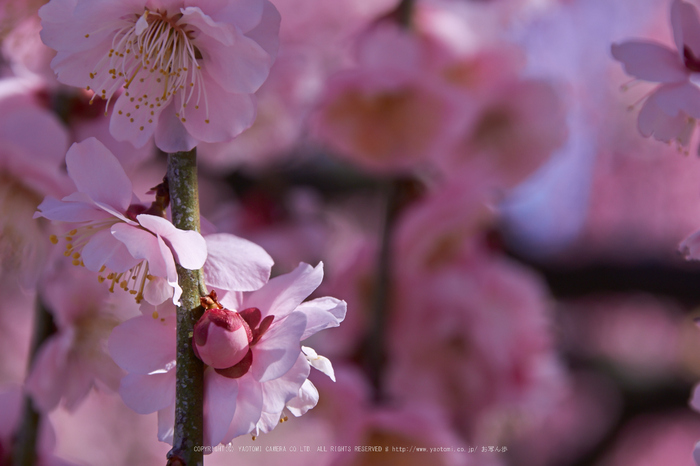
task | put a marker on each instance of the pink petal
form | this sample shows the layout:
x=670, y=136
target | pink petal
x=166, y=424
x=171, y=135
x=650, y=61
x=266, y=33
x=653, y=121
x=66, y=22
x=219, y=406
x=142, y=345
x=11, y=409
x=695, y=398
x=148, y=393
x=126, y=121
x=277, y=392
x=236, y=62
x=281, y=295
x=157, y=291
x=686, y=27
x=223, y=33
x=245, y=14
x=307, y=399
x=249, y=404
x=322, y=313
x=236, y=264
x=319, y=363
x=279, y=348
x=74, y=67
x=97, y=173
x=143, y=244
x=47, y=378
x=675, y=98
x=80, y=380
x=63, y=211
x=104, y=249
x=690, y=247
x=188, y=246
x=228, y=113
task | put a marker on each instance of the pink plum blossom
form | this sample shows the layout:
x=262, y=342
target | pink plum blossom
x=513, y=129
x=486, y=320
x=114, y=236
x=74, y=359
x=388, y=113
x=670, y=111
x=188, y=68
x=30, y=168
x=251, y=395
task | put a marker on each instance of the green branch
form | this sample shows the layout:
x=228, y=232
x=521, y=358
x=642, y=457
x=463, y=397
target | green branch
x=189, y=392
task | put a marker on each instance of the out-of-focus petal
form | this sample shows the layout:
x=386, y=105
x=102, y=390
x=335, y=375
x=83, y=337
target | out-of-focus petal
x=650, y=61
x=166, y=424
x=143, y=344
x=148, y=393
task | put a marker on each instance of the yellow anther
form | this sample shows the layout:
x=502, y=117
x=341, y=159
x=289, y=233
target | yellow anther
x=73, y=232
x=155, y=314
x=53, y=239
x=76, y=255
x=76, y=262
x=100, y=278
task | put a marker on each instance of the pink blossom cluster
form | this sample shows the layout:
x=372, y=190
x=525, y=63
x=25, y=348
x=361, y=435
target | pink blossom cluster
x=455, y=202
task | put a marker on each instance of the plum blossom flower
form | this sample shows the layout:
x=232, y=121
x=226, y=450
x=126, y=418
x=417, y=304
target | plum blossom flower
x=670, y=111
x=271, y=368
x=74, y=359
x=30, y=168
x=188, y=68
x=389, y=113
x=115, y=237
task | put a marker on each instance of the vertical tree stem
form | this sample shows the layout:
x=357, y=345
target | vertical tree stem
x=376, y=350
x=189, y=392
x=24, y=449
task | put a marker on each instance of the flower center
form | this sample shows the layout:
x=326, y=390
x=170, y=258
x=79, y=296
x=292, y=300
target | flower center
x=133, y=280
x=157, y=50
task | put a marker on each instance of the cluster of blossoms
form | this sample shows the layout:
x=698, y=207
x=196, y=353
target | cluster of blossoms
x=408, y=148
x=173, y=74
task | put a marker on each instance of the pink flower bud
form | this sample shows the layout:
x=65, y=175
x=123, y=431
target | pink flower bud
x=221, y=338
